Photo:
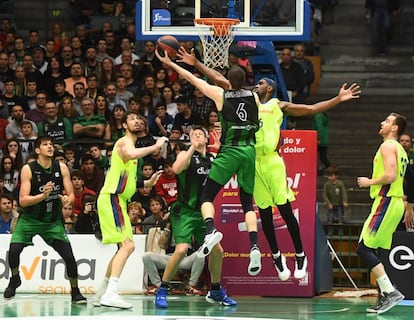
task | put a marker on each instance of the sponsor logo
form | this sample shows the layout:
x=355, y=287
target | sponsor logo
x=399, y=257
x=161, y=17
x=48, y=268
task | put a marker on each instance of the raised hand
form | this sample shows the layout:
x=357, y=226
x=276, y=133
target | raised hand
x=352, y=92
x=187, y=58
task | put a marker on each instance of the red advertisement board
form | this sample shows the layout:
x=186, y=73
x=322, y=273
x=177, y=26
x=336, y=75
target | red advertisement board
x=299, y=152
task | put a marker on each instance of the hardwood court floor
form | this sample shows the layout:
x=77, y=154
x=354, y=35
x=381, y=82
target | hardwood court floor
x=44, y=306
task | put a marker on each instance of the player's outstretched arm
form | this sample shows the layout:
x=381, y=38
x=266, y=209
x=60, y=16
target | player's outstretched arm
x=300, y=110
x=211, y=74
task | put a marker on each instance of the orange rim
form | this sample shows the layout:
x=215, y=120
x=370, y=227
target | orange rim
x=221, y=26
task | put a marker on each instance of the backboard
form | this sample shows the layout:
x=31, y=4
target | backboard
x=260, y=20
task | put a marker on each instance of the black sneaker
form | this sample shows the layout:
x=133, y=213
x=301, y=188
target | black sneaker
x=14, y=283
x=77, y=297
x=301, y=265
x=387, y=301
x=281, y=267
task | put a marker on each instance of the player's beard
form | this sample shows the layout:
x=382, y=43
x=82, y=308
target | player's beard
x=134, y=131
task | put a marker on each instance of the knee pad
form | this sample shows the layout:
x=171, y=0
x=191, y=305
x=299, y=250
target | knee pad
x=367, y=255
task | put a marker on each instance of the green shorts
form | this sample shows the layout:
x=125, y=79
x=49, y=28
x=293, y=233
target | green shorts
x=113, y=218
x=235, y=160
x=185, y=223
x=386, y=214
x=26, y=229
x=270, y=184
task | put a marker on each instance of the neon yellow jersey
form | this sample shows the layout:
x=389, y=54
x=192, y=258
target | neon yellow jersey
x=394, y=189
x=267, y=137
x=121, y=176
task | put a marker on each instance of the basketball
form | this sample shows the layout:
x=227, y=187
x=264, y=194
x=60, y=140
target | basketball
x=169, y=44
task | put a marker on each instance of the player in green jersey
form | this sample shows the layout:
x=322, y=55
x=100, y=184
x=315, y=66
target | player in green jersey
x=45, y=188
x=119, y=186
x=192, y=167
x=239, y=120
x=386, y=188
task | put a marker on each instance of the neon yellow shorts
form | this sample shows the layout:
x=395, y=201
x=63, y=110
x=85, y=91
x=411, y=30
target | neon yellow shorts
x=113, y=218
x=386, y=214
x=270, y=185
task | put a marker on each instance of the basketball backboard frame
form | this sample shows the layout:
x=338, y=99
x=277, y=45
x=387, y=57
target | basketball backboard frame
x=147, y=14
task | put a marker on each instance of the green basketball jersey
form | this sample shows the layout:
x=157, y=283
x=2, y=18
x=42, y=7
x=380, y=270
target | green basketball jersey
x=239, y=118
x=394, y=189
x=50, y=209
x=191, y=181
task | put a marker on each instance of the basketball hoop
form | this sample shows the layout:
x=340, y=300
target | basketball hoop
x=216, y=35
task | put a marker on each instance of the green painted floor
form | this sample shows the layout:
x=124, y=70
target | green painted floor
x=183, y=307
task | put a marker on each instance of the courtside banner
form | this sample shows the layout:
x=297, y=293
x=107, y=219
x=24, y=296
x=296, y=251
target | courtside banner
x=42, y=270
x=299, y=152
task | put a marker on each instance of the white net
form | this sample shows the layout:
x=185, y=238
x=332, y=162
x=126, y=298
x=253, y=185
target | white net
x=216, y=36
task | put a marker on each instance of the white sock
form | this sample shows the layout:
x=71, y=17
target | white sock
x=301, y=254
x=112, y=285
x=385, y=284
x=276, y=255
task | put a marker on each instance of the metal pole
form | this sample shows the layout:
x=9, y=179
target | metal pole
x=342, y=266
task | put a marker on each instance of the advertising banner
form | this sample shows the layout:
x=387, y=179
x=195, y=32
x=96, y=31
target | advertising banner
x=43, y=271
x=299, y=152
x=399, y=262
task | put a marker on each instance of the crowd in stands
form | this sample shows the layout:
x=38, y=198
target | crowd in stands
x=76, y=89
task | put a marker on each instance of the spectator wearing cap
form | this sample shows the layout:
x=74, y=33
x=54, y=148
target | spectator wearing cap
x=185, y=118
x=39, y=62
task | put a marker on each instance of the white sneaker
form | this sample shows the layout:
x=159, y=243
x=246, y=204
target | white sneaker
x=114, y=300
x=210, y=240
x=301, y=264
x=255, y=264
x=281, y=267
x=97, y=298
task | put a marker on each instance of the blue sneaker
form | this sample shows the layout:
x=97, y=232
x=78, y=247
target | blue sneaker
x=221, y=297
x=161, y=298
